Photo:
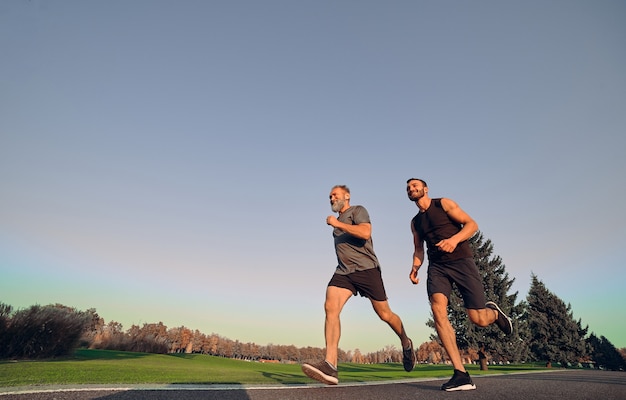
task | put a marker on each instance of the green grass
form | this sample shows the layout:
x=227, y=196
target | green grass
x=102, y=367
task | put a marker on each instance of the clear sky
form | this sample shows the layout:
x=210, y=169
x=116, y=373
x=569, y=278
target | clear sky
x=171, y=160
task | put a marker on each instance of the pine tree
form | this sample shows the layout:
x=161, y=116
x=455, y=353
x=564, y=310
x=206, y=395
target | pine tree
x=605, y=354
x=555, y=334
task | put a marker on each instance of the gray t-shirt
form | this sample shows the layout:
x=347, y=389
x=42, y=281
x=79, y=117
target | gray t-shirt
x=353, y=254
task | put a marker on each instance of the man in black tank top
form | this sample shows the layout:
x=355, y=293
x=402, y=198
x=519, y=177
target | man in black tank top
x=446, y=229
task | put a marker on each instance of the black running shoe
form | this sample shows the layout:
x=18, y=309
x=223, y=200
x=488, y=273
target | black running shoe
x=503, y=322
x=408, y=357
x=459, y=381
x=322, y=371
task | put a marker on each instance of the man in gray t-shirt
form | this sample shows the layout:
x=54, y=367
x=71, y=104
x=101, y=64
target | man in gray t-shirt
x=358, y=271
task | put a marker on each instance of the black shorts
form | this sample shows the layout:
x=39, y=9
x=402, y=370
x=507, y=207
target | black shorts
x=464, y=273
x=368, y=283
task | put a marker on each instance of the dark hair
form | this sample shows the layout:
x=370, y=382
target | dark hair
x=344, y=187
x=418, y=179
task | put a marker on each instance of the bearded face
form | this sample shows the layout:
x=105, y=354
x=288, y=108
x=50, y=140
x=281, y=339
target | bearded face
x=337, y=204
x=339, y=199
x=415, y=190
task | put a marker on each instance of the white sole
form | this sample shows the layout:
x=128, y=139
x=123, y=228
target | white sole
x=462, y=387
x=318, y=375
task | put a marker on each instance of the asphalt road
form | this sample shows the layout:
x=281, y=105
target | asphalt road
x=560, y=384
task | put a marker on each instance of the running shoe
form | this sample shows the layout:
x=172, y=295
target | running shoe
x=459, y=381
x=408, y=357
x=322, y=371
x=503, y=322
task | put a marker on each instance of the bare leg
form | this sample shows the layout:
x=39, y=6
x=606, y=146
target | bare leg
x=336, y=298
x=393, y=320
x=439, y=306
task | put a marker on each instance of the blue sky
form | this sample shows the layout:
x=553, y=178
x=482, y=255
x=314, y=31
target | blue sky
x=171, y=160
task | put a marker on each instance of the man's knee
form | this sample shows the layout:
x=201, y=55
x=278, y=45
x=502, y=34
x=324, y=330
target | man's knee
x=336, y=298
x=439, y=306
x=331, y=307
x=386, y=315
x=383, y=310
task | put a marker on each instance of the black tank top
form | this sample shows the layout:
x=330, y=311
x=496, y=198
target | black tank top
x=434, y=225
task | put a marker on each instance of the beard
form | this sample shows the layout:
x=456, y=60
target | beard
x=337, y=205
x=417, y=196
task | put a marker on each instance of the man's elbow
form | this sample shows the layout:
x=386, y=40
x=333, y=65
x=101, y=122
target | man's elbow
x=474, y=227
x=366, y=232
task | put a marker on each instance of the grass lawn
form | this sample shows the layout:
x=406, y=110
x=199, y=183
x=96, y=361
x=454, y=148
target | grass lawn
x=115, y=367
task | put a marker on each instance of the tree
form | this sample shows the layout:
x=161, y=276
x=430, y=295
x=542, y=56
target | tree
x=605, y=354
x=430, y=352
x=555, y=334
x=5, y=318
x=94, y=330
x=357, y=357
x=488, y=342
x=41, y=331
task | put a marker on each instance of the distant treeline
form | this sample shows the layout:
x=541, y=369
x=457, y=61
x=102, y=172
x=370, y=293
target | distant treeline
x=41, y=332
x=56, y=330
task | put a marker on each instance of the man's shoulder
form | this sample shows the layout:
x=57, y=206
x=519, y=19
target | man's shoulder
x=443, y=202
x=359, y=212
x=355, y=209
x=446, y=203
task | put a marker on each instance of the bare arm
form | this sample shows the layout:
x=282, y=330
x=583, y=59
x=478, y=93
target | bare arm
x=458, y=215
x=418, y=255
x=361, y=231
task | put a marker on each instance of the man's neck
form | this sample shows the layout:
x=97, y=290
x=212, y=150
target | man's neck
x=424, y=203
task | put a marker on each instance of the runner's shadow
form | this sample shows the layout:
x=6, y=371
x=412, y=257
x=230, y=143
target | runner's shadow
x=209, y=394
x=434, y=386
x=284, y=379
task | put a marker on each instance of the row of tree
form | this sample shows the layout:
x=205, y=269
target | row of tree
x=56, y=330
x=544, y=330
